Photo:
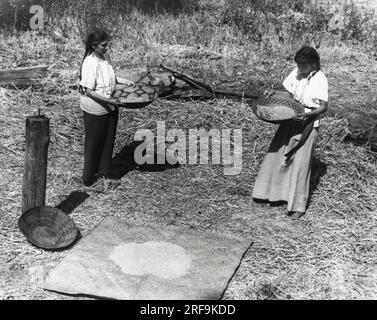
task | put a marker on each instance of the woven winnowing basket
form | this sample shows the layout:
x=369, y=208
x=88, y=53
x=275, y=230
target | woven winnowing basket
x=277, y=108
x=134, y=97
x=48, y=227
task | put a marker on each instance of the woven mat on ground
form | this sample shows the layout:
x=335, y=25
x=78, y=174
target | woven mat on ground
x=118, y=260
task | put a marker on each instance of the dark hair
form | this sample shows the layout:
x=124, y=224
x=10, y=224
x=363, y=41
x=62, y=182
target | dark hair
x=93, y=39
x=308, y=55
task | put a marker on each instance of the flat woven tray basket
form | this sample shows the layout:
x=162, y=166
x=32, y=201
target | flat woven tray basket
x=134, y=97
x=279, y=107
x=48, y=227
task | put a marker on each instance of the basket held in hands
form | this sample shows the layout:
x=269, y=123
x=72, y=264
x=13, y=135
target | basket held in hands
x=277, y=108
x=137, y=96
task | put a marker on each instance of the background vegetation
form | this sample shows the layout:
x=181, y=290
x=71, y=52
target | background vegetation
x=287, y=21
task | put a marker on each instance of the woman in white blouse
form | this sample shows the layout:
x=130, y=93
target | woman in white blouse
x=97, y=83
x=287, y=178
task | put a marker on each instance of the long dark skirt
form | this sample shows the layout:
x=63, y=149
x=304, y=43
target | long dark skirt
x=100, y=131
x=279, y=180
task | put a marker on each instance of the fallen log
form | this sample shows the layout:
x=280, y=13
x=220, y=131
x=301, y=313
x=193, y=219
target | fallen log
x=201, y=85
x=22, y=77
x=195, y=83
x=189, y=95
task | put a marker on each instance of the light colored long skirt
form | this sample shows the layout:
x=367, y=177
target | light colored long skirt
x=279, y=180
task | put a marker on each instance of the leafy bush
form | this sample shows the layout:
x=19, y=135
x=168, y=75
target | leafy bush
x=358, y=24
x=110, y=15
x=15, y=15
x=287, y=19
x=124, y=6
x=263, y=21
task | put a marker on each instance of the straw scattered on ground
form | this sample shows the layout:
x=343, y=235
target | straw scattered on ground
x=330, y=253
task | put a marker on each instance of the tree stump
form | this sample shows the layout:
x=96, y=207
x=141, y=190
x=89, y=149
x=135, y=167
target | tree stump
x=35, y=169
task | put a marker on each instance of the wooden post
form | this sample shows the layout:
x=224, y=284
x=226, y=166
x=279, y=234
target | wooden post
x=35, y=169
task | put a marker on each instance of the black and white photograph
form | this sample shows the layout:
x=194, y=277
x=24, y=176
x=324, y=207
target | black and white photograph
x=197, y=152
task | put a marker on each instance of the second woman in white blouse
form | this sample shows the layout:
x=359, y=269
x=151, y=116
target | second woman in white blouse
x=287, y=178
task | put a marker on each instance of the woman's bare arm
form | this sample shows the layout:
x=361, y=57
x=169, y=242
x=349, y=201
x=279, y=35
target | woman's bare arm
x=323, y=106
x=104, y=102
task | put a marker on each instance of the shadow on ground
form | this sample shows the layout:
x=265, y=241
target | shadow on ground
x=319, y=169
x=124, y=162
x=74, y=199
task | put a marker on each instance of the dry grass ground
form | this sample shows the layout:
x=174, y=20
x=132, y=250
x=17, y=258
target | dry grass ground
x=330, y=253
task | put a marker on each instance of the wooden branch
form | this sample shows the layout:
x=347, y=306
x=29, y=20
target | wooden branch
x=187, y=78
x=205, y=86
x=189, y=95
x=191, y=83
x=22, y=76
